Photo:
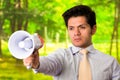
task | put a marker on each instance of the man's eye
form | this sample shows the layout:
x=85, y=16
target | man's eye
x=82, y=27
x=71, y=28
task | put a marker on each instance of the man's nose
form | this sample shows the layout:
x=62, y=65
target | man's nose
x=77, y=32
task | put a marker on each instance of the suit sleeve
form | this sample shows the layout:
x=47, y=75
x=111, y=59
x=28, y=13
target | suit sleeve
x=52, y=64
x=116, y=70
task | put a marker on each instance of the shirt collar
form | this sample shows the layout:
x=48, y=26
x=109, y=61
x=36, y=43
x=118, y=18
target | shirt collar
x=75, y=49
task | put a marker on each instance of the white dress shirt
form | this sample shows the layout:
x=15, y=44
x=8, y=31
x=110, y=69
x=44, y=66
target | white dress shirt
x=63, y=64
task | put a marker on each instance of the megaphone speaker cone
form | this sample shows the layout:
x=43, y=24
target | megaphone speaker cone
x=21, y=44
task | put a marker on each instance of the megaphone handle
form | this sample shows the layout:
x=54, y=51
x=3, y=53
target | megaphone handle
x=35, y=71
x=29, y=67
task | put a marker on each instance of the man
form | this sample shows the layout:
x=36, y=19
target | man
x=64, y=64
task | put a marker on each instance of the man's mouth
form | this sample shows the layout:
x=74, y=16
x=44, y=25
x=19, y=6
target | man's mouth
x=77, y=39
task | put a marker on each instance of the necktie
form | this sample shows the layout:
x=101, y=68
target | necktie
x=84, y=67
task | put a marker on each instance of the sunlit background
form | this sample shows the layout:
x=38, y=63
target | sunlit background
x=45, y=18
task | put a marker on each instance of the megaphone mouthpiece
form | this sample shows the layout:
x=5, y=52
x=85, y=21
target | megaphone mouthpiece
x=21, y=44
x=26, y=44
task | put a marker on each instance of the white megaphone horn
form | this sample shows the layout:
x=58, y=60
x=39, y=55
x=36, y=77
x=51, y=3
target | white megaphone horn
x=21, y=44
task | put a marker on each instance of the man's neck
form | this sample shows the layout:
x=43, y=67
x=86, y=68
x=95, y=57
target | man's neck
x=86, y=46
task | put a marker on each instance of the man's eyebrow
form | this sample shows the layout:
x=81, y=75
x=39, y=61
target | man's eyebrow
x=70, y=26
x=81, y=25
x=78, y=25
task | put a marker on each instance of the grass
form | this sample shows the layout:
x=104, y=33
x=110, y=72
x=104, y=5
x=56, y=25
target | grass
x=12, y=70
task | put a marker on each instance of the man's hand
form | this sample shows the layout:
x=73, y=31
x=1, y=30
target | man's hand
x=32, y=60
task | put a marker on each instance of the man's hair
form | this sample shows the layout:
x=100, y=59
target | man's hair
x=80, y=10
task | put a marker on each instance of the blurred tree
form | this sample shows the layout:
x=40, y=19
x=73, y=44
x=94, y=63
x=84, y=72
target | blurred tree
x=15, y=13
x=11, y=12
x=115, y=28
x=1, y=24
x=45, y=15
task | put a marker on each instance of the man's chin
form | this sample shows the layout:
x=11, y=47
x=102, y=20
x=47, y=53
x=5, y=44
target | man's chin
x=80, y=45
x=77, y=45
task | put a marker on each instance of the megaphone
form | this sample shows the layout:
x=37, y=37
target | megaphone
x=21, y=44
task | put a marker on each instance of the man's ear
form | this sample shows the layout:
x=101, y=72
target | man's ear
x=94, y=29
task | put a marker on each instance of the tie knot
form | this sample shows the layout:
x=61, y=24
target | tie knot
x=84, y=51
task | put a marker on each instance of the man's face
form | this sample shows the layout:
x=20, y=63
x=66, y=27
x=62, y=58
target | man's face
x=80, y=31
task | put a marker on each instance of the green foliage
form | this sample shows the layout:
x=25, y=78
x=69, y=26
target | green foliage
x=48, y=13
x=45, y=18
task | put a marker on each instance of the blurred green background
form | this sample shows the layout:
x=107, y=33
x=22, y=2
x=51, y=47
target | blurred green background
x=44, y=17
